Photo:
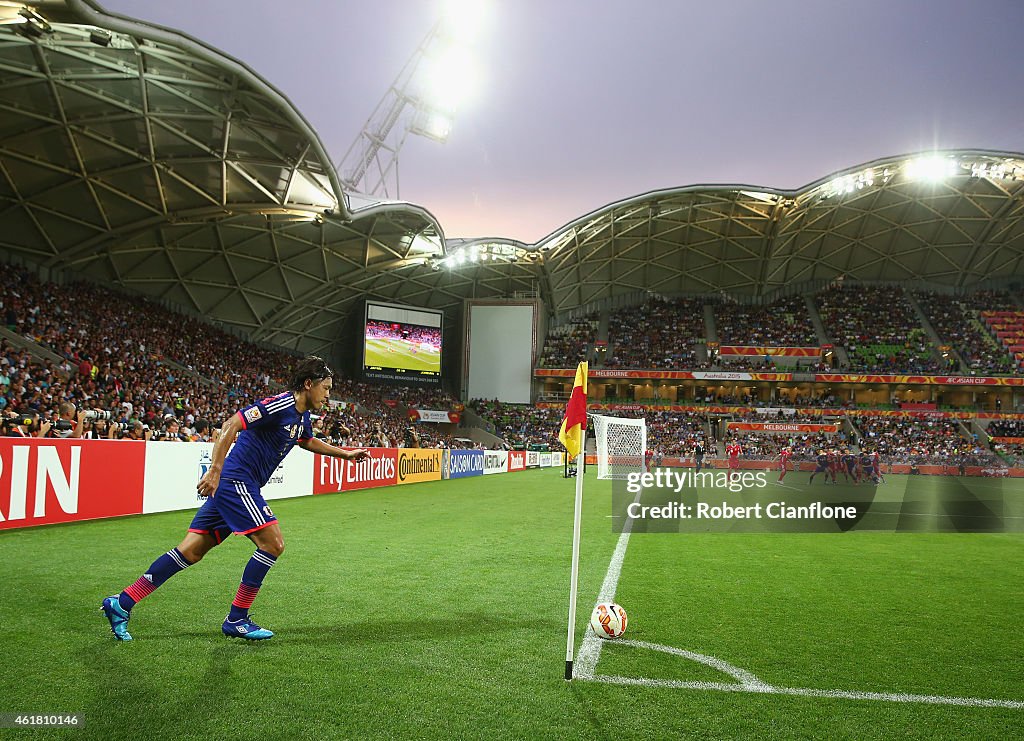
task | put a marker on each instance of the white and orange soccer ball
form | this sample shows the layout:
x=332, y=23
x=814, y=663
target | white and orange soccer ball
x=608, y=620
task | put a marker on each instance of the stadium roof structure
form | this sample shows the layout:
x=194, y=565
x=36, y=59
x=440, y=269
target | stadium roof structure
x=137, y=156
x=950, y=219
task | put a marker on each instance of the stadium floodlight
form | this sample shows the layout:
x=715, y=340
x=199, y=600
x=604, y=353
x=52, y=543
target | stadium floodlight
x=463, y=21
x=448, y=78
x=930, y=169
x=422, y=100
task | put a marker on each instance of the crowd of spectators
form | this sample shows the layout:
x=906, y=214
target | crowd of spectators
x=155, y=372
x=521, y=425
x=1006, y=428
x=568, y=345
x=657, y=334
x=920, y=441
x=783, y=323
x=776, y=416
x=767, y=446
x=957, y=325
x=880, y=330
x=676, y=433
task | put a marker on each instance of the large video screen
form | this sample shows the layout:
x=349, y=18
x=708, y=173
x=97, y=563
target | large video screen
x=402, y=343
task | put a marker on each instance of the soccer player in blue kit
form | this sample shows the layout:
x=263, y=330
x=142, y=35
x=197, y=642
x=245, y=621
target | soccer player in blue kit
x=267, y=431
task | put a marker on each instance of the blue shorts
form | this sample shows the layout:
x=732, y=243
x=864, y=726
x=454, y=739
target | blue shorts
x=236, y=507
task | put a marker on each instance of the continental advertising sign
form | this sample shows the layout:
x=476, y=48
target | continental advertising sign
x=418, y=464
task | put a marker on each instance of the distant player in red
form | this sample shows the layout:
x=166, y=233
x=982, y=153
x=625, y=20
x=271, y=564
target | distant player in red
x=833, y=464
x=733, y=450
x=648, y=457
x=784, y=457
x=876, y=465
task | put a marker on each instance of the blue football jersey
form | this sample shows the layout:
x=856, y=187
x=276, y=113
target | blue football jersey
x=271, y=428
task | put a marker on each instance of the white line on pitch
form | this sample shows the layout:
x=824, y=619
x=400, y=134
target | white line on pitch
x=590, y=651
x=765, y=689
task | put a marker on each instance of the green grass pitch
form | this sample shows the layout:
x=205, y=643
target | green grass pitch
x=400, y=354
x=438, y=611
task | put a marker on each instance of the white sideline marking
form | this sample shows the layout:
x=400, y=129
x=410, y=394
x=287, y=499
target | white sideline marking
x=590, y=651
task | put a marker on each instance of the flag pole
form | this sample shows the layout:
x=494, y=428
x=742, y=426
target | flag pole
x=571, y=639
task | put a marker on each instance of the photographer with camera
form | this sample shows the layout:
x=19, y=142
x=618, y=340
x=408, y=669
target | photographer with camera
x=137, y=431
x=70, y=422
x=412, y=438
x=25, y=424
x=101, y=429
x=378, y=438
x=172, y=430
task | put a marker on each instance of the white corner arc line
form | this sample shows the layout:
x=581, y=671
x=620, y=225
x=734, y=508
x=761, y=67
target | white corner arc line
x=745, y=678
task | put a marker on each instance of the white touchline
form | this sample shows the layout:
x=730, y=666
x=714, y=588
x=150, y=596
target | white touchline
x=590, y=651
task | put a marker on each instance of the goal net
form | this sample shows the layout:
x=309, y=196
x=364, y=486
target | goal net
x=621, y=444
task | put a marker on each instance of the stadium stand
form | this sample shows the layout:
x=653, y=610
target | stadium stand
x=657, y=334
x=675, y=433
x=783, y=323
x=570, y=343
x=956, y=322
x=1006, y=325
x=921, y=441
x=521, y=425
x=889, y=341
x=143, y=362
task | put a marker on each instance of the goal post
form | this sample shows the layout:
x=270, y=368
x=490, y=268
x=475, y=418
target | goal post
x=621, y=445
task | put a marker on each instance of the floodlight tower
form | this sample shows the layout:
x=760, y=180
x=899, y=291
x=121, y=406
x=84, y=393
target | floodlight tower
x=422, y=100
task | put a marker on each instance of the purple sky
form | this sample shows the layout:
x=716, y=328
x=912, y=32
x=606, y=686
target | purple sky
x=585, y=102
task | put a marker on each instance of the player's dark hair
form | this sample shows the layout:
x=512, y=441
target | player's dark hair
x=310, y=368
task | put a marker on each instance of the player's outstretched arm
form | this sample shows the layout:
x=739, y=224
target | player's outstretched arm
x=211, y=479
x=315, y=445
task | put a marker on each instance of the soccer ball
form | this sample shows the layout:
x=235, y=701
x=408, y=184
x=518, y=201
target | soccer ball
x=608, y=620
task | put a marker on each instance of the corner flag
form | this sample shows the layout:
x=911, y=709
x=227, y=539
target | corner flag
x=573, y=435
x=575, y=421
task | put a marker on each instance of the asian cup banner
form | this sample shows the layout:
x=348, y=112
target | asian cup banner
x=923, y=380
x=669, y=375
x=811, y=411
x=818, y=377
x=791, y=352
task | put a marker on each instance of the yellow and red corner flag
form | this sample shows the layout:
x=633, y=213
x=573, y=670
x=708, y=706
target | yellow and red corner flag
x=575, y=420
